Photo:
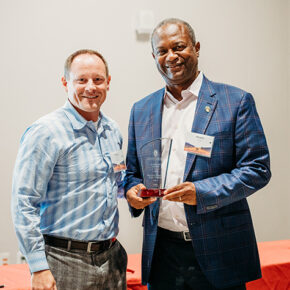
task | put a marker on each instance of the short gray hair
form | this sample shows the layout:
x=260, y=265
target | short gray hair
x=175, y=21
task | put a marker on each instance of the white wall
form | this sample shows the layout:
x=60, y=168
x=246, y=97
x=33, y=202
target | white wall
x=288, y=91
x=243, y=42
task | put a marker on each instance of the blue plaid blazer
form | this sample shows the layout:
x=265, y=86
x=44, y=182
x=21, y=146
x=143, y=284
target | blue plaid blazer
x=220, y=224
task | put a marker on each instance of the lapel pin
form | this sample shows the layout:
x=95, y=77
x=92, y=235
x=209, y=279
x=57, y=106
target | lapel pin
x=207, y=109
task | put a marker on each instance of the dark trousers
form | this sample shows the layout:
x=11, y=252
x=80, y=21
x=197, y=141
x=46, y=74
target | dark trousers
x=174, y=267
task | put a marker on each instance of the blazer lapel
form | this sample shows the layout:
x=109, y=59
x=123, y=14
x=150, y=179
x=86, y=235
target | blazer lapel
x=206, y=104
x=156, y=114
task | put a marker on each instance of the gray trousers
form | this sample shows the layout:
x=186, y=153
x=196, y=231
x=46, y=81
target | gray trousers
x=79, y=270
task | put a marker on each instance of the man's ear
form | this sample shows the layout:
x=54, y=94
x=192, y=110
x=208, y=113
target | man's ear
x=108, y=82
x=197, y=48
x=64, y=83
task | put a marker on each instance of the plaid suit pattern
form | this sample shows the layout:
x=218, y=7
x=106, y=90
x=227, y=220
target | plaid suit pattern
x=220, y=225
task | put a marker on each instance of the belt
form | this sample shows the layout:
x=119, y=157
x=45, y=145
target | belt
x=91, y=246
x=174, y=235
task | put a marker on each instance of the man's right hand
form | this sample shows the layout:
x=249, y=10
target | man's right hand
x=136, y=201
x=43, y=280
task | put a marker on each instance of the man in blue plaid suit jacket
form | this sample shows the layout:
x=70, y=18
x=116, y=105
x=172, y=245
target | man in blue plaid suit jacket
x=218, y=249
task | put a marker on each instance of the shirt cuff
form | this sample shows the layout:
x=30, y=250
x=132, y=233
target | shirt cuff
x=37, y=261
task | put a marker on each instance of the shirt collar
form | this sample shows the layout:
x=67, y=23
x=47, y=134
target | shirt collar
x=78, y=122
x=194, y=88
x=191, y=92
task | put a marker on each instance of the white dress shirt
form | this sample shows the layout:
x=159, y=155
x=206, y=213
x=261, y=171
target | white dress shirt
x=177, y=119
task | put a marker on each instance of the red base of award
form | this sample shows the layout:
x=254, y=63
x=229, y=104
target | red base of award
x=151, y=193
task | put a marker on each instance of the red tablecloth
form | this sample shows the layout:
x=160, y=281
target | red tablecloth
x=15, y=277
x=134, y=273
x=275, y=262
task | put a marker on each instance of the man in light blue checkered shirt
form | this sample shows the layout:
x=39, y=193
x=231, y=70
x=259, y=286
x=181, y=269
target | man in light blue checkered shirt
x=65, y=187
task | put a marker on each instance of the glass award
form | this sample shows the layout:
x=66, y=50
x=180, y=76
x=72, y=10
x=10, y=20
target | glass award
x=153, y=155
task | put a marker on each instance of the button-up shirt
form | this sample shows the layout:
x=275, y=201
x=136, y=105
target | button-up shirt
x=64, y=183
x=177, y=119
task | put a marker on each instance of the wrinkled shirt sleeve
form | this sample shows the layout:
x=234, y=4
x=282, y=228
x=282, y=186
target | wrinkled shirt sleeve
x=33, y=169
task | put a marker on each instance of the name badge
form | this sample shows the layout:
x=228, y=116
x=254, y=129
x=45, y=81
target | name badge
x=118, y=161
x=198, y=144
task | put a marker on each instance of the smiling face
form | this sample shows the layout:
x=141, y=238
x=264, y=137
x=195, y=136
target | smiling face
x=87, y=85
x=175, y=55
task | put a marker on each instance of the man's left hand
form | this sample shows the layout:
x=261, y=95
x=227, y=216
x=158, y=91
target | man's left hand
x=184, y=192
